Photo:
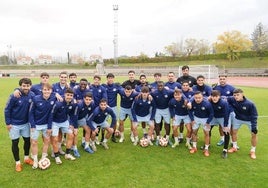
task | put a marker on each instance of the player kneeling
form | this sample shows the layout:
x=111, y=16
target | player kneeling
x=143, y=110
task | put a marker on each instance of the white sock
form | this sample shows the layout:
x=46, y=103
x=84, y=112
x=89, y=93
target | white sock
x=74, y=147
x=34, y=157
x=206, y=147
x=234, y=144
x=176, y=139
x=105, y=140
x=144, y=130
x=181, y=135
x=188, y=140
x=194, y=144
x=83, y=139
x=17, y=162
x=222, y=138
x=87, y=144
x=167, y=137
x=253, y=149
x=26, y=157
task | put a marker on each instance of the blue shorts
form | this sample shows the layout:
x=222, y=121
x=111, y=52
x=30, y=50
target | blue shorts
x=19, y=130
x=82, y=122
x=231, y=119
x=200, y=122
x=186, y=119
x=124, y=112
x=238, y=123
x=217, y=121
x=37, y=130
x=162, y=113
x=64, y=126
x=104, y=124
x=145, y=119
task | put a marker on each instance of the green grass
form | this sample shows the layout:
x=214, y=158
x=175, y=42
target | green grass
x=125, y=165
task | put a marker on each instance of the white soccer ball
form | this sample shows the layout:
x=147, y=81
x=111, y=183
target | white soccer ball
x=44, y=163
x=163, y=142
x=144, y=142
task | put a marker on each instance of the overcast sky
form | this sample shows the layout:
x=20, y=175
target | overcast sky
x=86, y=27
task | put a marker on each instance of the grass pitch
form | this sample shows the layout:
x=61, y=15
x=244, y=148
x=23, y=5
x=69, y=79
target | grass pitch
x=125, y=165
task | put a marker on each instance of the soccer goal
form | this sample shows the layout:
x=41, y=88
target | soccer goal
x=210, y=72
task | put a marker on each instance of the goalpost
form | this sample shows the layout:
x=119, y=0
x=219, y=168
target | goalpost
x=210, y=72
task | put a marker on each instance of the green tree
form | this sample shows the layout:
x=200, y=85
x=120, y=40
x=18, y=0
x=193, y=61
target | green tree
x=259, y=39
x=173, y=49
x=232, y=43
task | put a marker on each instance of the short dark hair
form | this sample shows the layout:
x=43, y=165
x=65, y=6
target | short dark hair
x=88, y=94
x=157, y=74
x=110, y=75
x=185, y=67
x=142, y=75
x=177, y=91
x=72, y=74
x=238, y=90
x=103, y=100
x=69, y=90
x=200, y=76
x=44, y=74
x=128, y=87
x=25, y=81
x=97, y=76
x=215, y=93
x=145, y=89
x=131, y=71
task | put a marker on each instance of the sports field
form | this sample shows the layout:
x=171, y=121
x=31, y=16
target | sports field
x=125, y=165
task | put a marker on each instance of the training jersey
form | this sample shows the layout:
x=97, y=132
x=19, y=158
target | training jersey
x=173, y=85
x=244, y=110
x=40, y=110
x=143, y=108
x=79, y=94
x=37, y=89
x=190, y=79
x=84, y=111
x=162, y=98
x=56, y=87
x=112, y=90
x=98, y=92
x=63, y=111
x=17, y=109
x=178, y=107
x=133, y=84
x=98, y=116
x=188, y=94
x=202, y=110
x=221, y=110
x=126, y=101
x=205, y=89
x=226, y=90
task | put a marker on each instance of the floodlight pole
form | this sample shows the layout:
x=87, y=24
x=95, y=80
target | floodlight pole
x=115, y=41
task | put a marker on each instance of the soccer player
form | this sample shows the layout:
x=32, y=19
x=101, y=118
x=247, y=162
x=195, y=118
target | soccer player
x=72, y=79
x=186, y=77
x=17, y=122
x=64, y=117
x=226, y=90
x=127, y=96
x=112, y=89
x=99, y=119
x=131, y=80
x=221, y=117
x=201, y=114
x=202, y=87
x=143, y=110
x=98, y=92
x=157, y=78
x=188, y=93
x=161, y=97
x=37, y=88
x=179, y=112
x=85, y=109
x=81, y=90
x=40, y=110
x=171, y=83
x=245, y=113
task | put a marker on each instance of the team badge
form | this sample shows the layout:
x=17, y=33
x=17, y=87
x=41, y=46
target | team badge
x=203, y=108
x=244, y=108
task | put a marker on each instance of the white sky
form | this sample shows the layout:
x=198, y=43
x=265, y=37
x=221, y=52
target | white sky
x=86, y=27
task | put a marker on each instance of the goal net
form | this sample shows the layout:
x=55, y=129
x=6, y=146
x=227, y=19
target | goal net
x=210, y=72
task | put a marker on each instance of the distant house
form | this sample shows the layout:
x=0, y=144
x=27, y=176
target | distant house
x=24, y=60
x=75, y=59
x=44, y=59
x=95, y=58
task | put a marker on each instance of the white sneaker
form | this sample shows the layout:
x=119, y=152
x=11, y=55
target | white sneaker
x=132, y=138
x=52, y=154
x=44, y=155
x=69, y=157
x=35, y=165
x=150, y=143
x=93, y=146
x=105, y=145
x=61, y=151
x=121, y=139
x=97, y=141
x=57, y=160
x=135, y=142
